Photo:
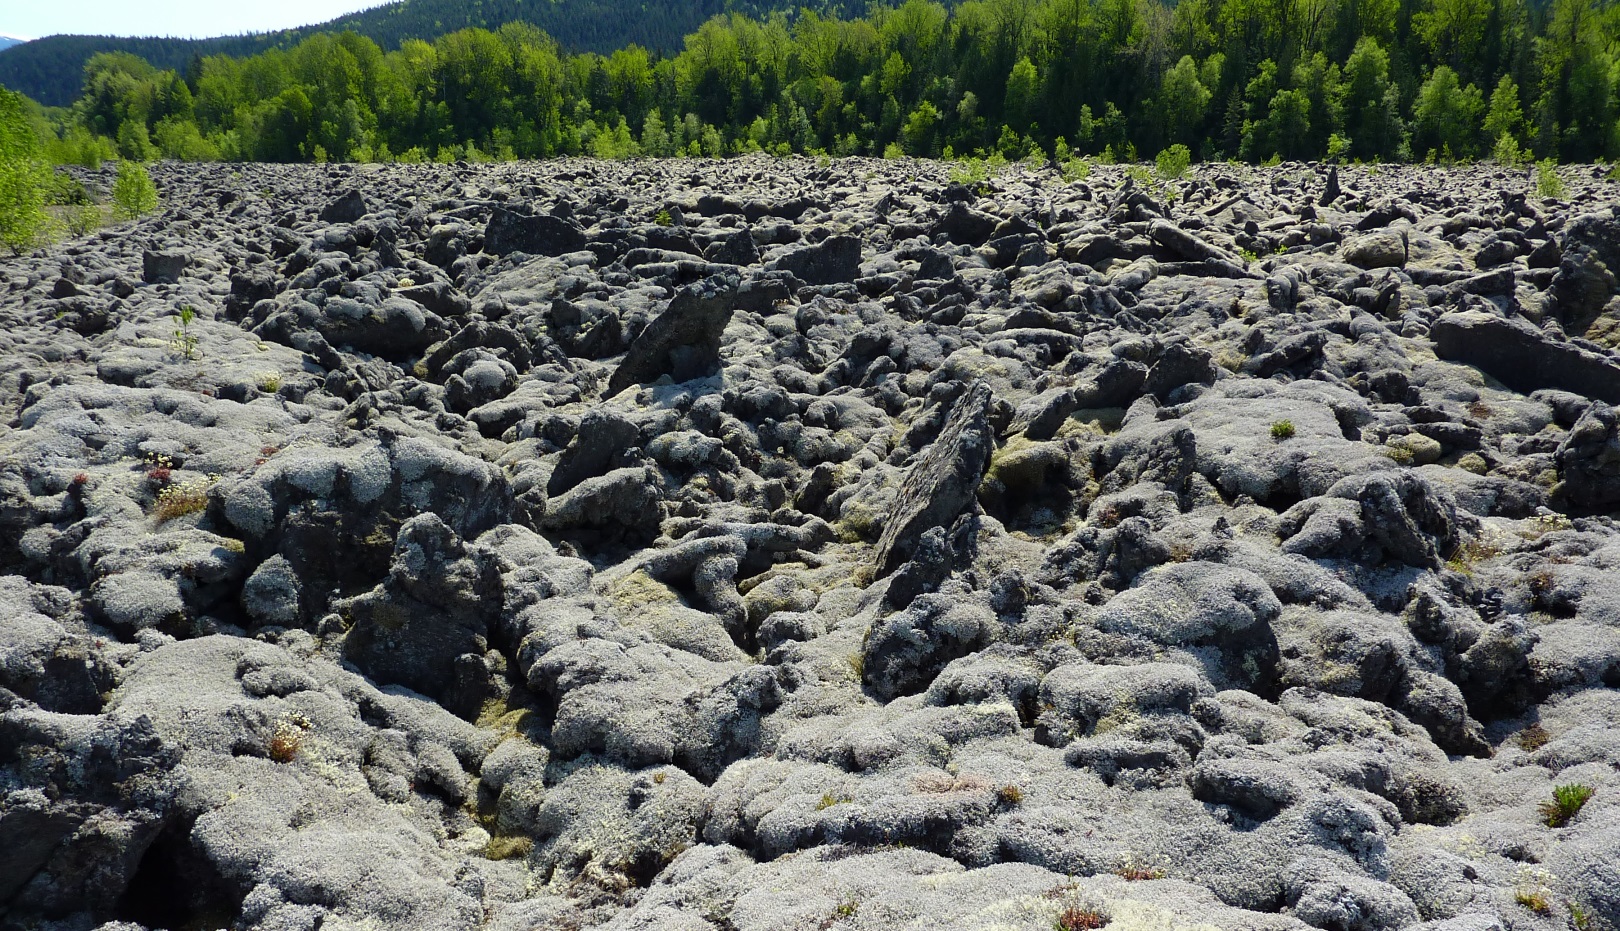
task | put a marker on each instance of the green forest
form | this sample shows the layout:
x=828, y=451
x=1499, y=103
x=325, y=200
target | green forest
x=49, y=69
x=1247, y=79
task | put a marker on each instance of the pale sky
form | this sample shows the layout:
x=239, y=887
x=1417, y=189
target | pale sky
x=30, y=19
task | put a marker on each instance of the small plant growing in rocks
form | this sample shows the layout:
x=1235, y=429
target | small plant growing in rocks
x=1533, y=890
x=159, y=468
x=270, y=382
x=133, y=194
x=188, y=497
x=1549, y=184
x=1566, y=803
x=287, y=738
x=1172, y=162
x=828, y=800
x=1133, y=870
x=1010, y=794
x=1076, y=169
x=846, y=910
x=1282, y=430
x=185, y=342
x=1533, y=737
x=83, y=220
x=1080, y=918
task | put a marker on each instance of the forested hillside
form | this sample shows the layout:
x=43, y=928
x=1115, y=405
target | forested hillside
x=1251, y=79
x=51, y=70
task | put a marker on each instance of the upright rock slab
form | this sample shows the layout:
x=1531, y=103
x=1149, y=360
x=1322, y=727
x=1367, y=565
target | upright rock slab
x=163, y=267
x=943, y=482
x=684, y=342
x=346, y=209
x=1587, y=276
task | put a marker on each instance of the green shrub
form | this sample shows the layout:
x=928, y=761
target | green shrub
x=1567, y=802
x=134, y=195
x=25, y=179
x=1507, y=152
x=80, y=147
x=185, y=342
x=1338, y=148
x=1549, y=185
x=1282, y=430
x=67, y=191
x=1172, y=162
x=82, y=221
x=1076, y=169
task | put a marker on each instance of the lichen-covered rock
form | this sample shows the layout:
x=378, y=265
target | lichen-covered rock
x=683, y=342
x=942, y=483
x=767, y=543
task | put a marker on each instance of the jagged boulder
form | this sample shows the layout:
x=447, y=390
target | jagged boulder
x=943, y=482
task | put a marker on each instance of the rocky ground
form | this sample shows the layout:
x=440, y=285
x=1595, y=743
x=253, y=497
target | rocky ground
x=769, y=545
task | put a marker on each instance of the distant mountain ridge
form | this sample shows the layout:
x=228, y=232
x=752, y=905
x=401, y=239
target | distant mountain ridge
x=50, y=70
x=7, y=42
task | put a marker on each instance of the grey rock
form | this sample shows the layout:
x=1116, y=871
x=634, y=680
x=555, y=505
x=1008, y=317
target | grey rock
x=163, y=267
x=1587, y=274
x=683, y=341
x=942, y=483
x=833, y=261
x=1522, y=357
x=737, y=249
x=543, y=234
x=346, y=209
x=906, y=650
x=1589, y=460
x=1382, y=249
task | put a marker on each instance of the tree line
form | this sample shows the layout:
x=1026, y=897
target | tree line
x=50, y=69
x=1249, y=79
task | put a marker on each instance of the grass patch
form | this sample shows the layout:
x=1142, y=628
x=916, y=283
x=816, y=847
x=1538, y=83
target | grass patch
x=1566, y=803
x=828, y=800
x=1533, y=737
x=507, y=848
x=1282, y=430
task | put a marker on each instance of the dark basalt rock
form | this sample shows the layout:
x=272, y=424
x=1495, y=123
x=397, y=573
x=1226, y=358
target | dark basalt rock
x=543, y=234
x=1524, y=358
x=778, y=543
x=346, y=209
x=1589, y=460
x=163, y=267
x=683, y=342
x=833, y=261
x=942, y=484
